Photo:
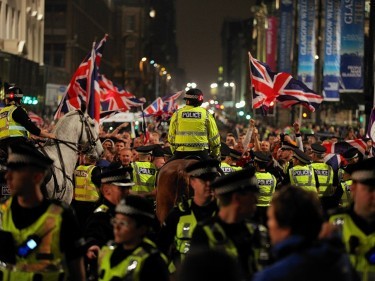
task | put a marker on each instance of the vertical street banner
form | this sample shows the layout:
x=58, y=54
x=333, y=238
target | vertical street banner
x=271, y=42
x=285, y=36
x=331, y=67
x=306, y=46
x=352, y=45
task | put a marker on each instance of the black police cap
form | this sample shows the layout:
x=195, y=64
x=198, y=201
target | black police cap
x=120, y=177
x=21, y=155
x=158, y=151
x=318, y=148
x=167, y=151
x=134, y=205
x=194, y=94
x=260, y=156
x=287, y=146
x=145, y=149
x=351, y=153
x=238, y=181
x=204, y=169
x=224, y=149
x=235, y=154
x=301, y=156
x=364, y=172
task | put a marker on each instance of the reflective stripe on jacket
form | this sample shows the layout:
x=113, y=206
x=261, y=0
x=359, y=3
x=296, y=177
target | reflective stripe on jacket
x=303, y=176
x=85, y=189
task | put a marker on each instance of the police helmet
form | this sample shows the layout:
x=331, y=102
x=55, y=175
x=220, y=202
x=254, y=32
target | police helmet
x=13, y=92
x=194, y=95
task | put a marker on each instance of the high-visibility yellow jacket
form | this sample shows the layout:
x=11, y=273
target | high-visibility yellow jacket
x=267, y=185
x=144, y=176
x=8, y=127
x=325, y=178
x=194, y=129
x=303, y=176
x=46, y=261
x=85, y=190
x=359, y=246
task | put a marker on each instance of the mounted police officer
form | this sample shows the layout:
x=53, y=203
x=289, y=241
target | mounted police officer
x=15, y=124
x=132, y=256
x=230, y=230
x=193, y=130
x=176, y=231
x=39, y=239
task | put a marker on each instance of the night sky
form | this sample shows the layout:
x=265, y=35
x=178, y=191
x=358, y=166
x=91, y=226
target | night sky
x=199, y=24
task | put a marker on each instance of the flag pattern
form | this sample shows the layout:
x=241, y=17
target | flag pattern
x=155, y=108
x=36, y=119
x=76, y=92
x=342, y=146
x=269, y=87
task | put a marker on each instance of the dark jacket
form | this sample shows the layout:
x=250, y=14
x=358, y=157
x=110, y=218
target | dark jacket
x=296, y=259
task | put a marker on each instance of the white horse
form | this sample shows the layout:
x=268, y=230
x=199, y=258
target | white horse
x=75, y=133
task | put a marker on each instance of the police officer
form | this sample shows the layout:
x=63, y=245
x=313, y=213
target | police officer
x=193, y=130
x=226, y=160
x=39, y=239
x=176, y=231
x=133, y=256
x=267, y=184
x=351, y=156
x=357, y=224
x=230, y=229
x=86, y=192
x=302, y=174
x=15, y=124
x=144, y=173
x=114, y=185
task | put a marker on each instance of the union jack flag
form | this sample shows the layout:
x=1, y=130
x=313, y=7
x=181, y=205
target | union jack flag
x=169, y=102
x=270, y=86
x=155, y=108
x=93, y=89
x=342, y=146
x=77, y=90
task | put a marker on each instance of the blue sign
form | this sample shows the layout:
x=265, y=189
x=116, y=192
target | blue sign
x=352, y=45
x=285, y=36
x=331, y=67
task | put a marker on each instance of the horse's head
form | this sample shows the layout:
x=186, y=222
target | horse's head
x=89, y=141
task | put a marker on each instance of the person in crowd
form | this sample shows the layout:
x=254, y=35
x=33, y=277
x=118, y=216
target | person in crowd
x=345, y=184
x=230, y=230
x=356, y=225
x=108, y=144
x=176, y=231
x=86, y=192
x=132, y=256
x=230, y=140
x=114, y=185
x=36, y=237
x=267, y=184
x=125, y=157
x=294, y=221
x=226, y=160
x=15, y=124
x=193, y=130
x=144, y=173
x=120, y=144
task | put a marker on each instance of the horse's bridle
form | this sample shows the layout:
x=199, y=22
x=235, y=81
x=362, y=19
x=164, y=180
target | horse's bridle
x=76, y=147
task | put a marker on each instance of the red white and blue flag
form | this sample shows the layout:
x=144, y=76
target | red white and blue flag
x=155, y=108
x=342, y=146
x=36, y=118
x=77, y=90
x=170, y=102
x=270, y=87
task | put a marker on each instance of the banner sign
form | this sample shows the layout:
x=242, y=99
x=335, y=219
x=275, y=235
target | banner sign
x=285, y=36
x=271, y=42
x=306, y=46
x=352, y=45
x=331, y=67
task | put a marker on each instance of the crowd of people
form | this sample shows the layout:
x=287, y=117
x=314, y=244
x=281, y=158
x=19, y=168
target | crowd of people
x=265, y=205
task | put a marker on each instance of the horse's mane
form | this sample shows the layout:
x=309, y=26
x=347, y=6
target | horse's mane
x=61, y=122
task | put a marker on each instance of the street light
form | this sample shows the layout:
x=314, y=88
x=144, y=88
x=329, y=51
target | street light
x=232, y=85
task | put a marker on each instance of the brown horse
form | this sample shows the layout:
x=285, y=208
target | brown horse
x=171, y=186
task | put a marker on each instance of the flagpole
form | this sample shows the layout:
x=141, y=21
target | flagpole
x=144, y=122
